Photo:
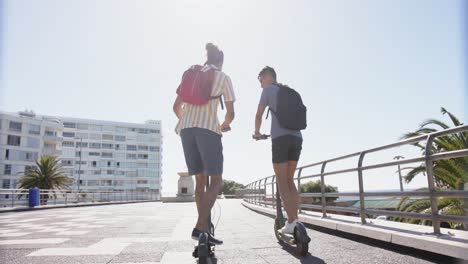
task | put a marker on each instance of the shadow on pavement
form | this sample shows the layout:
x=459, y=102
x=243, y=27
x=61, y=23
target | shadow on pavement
x=309, y=259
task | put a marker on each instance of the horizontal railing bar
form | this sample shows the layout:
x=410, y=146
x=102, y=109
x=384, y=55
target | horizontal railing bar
x=330, y=208
x=453, y=218
x=450, y=154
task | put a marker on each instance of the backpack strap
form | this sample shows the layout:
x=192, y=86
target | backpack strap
x=220, y=100
x=268, y=112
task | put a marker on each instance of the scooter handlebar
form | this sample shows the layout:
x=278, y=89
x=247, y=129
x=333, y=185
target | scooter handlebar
x=260, y=137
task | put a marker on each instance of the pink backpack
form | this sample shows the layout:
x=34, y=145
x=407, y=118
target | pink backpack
x=197, y=84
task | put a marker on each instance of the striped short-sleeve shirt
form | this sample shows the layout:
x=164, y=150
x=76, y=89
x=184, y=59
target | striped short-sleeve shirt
x=206, y=116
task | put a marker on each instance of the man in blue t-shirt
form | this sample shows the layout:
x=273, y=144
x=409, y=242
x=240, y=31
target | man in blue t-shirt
x=286, y=147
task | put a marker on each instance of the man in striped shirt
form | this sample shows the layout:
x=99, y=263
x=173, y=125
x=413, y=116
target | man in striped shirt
x=201, y=132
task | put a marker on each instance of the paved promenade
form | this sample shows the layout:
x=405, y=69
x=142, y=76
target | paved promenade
x=160, y=233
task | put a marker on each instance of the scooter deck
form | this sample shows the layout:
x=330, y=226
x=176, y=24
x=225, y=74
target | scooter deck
x=288, y=238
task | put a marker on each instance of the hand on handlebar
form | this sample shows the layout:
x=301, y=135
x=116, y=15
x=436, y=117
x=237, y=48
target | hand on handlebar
x=260, y=136
x=225, y=128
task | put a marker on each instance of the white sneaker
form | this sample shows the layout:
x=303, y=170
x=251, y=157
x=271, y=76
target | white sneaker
x=288, y=228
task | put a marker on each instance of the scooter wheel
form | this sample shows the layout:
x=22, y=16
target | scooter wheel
x=195, y=252
x=302, y=249
x=203, y=260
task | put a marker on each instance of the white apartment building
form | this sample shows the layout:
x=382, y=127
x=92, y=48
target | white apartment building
x=99, y=155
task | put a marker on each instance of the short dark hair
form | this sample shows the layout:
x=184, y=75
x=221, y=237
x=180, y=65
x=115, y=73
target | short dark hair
x=214, y=54
x=269, y=70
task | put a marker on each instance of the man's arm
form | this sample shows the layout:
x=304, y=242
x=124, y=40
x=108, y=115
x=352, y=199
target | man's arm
x=178, y=107
x=258, y=119
x=229, y=115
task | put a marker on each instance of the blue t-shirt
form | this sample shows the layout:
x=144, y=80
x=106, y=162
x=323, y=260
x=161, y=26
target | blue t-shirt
x=268, y=99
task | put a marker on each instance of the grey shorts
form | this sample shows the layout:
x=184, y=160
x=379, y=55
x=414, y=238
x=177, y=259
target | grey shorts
x=203, y=151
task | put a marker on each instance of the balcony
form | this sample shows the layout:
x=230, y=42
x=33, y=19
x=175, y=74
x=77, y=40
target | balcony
x=51, y=138
x=50, y=151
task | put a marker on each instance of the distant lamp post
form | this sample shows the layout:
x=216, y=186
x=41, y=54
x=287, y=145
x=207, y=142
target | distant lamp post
x=78, y=183
x=399, y=171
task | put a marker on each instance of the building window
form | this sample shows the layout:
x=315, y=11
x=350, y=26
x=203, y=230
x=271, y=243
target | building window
x=119, y=138
x=15, y=126
x=34, y=129
x=108, y=128
x=107, y=137
x=121, y=130
x=142, y=182
x=143, y=148
x=82, y=135
x=81, y=126
x=95, y=145
x=29, y=169
x=107, y=146
x=29, y=156
x=117, y=164
x=119, y=155
x=82, y=144
x=50, y=133
x=94, y=136
x=154, y=131
x=6, y=184
x=33, y=142
x=7, y=169
x=69, y=134
x=131, y=147
x=154, y=149
x=68, y=144
x=66, y=162
x=95, y=127
x=94, y=163
x=14, y=140
x=131, y=156
x=69, y=124
x=97, y=172
x=143, y=156
x=106, y=155
x=94, y=154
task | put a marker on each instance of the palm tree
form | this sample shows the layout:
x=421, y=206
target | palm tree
x=449, y=174
x=47, y=174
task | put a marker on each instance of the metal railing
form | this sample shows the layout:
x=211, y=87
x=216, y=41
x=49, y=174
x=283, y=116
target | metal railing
x=20, y=197
x=257, y=190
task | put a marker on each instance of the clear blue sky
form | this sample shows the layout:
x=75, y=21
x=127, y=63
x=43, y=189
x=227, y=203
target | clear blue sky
x=368, y=70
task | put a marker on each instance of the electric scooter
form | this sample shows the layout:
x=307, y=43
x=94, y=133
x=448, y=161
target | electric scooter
x=299, y=238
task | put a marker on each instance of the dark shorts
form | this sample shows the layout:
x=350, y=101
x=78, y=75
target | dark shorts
x=286, y=148
x=203, y=151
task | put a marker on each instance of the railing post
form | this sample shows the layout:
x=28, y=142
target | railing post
x=322, y=189
x=265, y=197
x=361, y=188
x=299, y=191
x=12, y=198
x=257, y=200
x=430, y=181
x=273, y=200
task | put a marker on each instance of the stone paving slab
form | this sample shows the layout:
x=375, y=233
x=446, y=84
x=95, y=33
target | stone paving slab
x=160, y=233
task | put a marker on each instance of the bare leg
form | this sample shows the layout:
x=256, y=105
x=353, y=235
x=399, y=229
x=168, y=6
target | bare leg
x=199, y=190
x=208, y=201
x=295, y=200
x=286, y=191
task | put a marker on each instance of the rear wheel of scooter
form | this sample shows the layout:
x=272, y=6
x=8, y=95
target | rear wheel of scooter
x=302, y=240
x=302, y=249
